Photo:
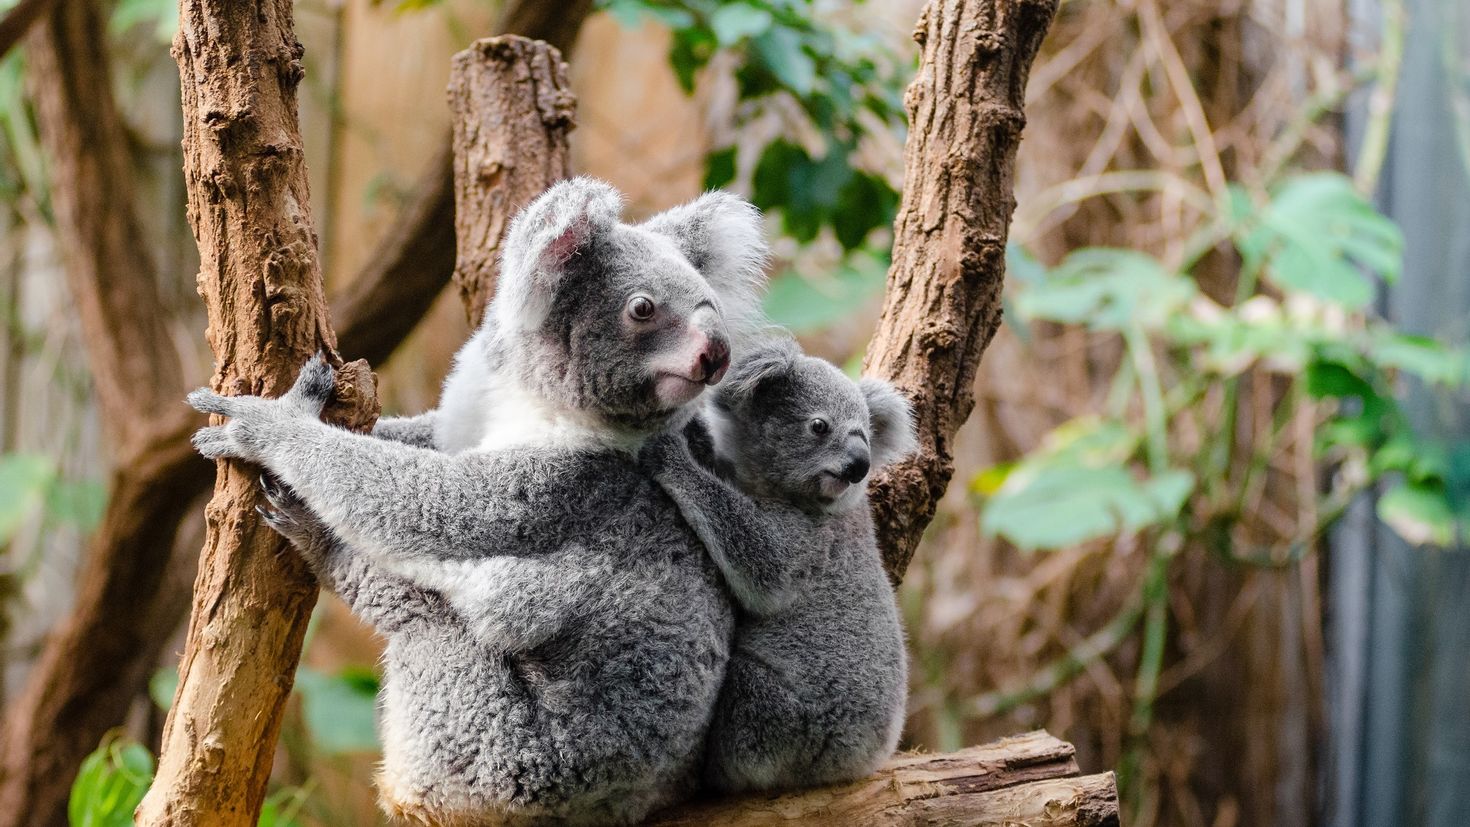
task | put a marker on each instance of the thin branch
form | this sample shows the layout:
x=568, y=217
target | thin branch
x=18, y=21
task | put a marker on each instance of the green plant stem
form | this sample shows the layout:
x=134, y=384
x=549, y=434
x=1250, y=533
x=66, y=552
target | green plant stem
x=1149, y=386
x=1150, y=665
x=1381, y=104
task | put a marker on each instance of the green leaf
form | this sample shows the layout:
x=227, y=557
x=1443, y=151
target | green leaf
x=77, y=503
x=734, y=22
x=24, y=481
x=1107, y=289
x=780, y=51
x=1050, y=506
x=1319, y=235
x=1421, y=356
x=864, y=203
x=1078, y=486
x=110, y=784
x=719, y=168
x=1420, y=513
x=162, y=687
x=340, y=711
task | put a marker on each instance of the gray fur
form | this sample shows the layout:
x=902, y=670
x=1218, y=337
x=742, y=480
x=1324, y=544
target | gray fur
x=560, y=635
x=816, y=686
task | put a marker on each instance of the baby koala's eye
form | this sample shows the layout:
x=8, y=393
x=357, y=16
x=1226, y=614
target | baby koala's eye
x=819, y=426
x=641, y=308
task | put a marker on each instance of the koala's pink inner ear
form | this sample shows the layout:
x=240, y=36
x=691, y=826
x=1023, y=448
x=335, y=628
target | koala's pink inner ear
x=565, y=245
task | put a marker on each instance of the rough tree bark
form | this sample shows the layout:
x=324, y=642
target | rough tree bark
x=98, y=659
x=416, y=260
x=1030, y=779
x=512, y=109
x=942, y=304
x=260, y=278
x=88, y=673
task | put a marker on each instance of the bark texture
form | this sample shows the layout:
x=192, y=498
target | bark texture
x=417, y=259
x=512, y=111
x=1030, y=779
x=261, y=282
x=97, y=660
x=942, y=304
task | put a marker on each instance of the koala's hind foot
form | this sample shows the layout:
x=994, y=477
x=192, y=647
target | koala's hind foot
x=292, y=519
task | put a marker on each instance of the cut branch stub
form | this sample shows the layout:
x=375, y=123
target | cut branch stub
x=512, y=111
x=942, y=304
x=239, y=67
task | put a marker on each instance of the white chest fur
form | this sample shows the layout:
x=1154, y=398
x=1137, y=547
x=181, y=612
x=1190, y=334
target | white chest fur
x=489, y=410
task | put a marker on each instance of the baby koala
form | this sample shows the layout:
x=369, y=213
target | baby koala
x=817, y=680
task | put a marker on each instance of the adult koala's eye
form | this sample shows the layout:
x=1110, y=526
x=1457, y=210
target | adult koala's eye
x=641, y=308
x=819, y=426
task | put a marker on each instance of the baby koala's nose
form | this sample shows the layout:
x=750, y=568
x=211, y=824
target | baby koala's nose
x=855, y=470
x=714, y=360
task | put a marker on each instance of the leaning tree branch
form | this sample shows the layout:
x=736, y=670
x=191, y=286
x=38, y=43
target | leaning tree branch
x=239, y=67
x=942, y=304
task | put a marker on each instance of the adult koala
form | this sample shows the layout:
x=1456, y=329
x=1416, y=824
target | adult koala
x=556, y=634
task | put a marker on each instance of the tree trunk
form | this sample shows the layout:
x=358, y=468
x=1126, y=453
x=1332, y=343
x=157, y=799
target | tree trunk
x=90, y=669
x=261, y=282
x=99, y=658
x=942, y=304
x=512, y=111
x=1030, y=779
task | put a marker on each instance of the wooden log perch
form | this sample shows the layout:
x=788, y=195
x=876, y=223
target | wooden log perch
x=1030, y=779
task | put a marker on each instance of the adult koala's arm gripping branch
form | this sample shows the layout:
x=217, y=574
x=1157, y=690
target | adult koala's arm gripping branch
x=347, y=478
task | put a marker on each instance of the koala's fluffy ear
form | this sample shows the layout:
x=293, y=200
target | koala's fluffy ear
x=892, y=418
x=721, y=236
x=770, y=359
x=542, y=238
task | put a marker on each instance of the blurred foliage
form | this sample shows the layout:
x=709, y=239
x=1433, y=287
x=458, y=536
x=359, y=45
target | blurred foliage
x=1319, y=250
x=843, y=84
x=114, y=779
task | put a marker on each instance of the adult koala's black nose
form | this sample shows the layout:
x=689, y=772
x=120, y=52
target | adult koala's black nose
x=714, y=360
x=855, y=470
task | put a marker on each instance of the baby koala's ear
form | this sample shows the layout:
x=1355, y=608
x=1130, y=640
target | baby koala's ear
x=892, y=418
x=768, y=360
x=546, y=234
x=721, y=235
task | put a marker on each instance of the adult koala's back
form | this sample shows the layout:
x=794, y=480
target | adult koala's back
x=574, y=680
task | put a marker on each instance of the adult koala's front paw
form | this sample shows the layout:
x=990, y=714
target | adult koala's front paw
x=254, y=420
